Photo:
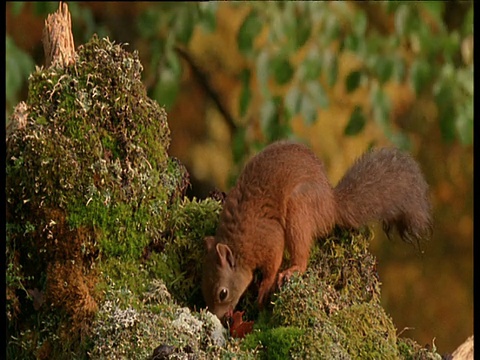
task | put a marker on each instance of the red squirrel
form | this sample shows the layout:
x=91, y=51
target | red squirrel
x=283, y=200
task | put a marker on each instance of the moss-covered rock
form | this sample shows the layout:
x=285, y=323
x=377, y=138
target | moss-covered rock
x=134, y=331
x=333, y=309
x=89, y=187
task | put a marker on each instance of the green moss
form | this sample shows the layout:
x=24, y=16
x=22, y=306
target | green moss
x=276, y=343
x=341, y=273
x=123, y=276
x=410, y=350
x=179, y=263
x=194, y=219
x=369, y=331
x=121, y=230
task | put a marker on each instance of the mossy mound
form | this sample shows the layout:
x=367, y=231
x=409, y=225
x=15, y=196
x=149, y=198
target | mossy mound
x=332, y=311
x=89, y=188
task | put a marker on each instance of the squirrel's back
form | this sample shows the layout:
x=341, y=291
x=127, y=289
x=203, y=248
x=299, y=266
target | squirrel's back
x=280, y=167
x=266, y=184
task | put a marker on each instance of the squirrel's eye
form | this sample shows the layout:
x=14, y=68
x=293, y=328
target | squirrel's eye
x=223, y=294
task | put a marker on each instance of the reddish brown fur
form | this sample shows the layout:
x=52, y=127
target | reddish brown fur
x=283, y=200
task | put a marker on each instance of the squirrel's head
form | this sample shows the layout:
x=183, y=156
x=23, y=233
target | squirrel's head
x=223, y=280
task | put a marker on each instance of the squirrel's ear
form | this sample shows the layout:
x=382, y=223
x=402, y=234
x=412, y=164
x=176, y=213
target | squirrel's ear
x=225, y=255
x=209, y=242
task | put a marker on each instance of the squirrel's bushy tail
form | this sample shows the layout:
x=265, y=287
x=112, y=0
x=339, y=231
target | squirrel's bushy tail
x=386, y=185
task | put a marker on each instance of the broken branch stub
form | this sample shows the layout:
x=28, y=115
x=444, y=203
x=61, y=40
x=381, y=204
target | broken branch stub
x=58, y=39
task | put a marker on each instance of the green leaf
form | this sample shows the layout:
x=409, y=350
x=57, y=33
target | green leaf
x=467, y=26
x=399, y=69
x=311, y=67
x=331, y=65
x=352, y=43
x=444, y=98
x=41, y=120
x=167, y=88
x=246, y=93
x=352, y=80
x=315, y=90
x=208, y=15
x=400, y=140
x=465, y=80
x=447, y=125
x=356, y=123
x=280, y=25
x=380, y=107
x=249, y=29
x=263, y=69
x=245, y=98
x=293, y=100
x=19, y=65
x=303, y=30
x=184, y=24
x=148, y=23
x=238, y=145
x=282, y=70
x=428, y=44
x=420, y=75
x=406, y=19
x=383, y=69
x=273, y=125
x=17, y=7
x=308, y=110
x=245, y=76
x=331, y=30
x=360, y=23
x=268, y=115
x=450, y=45
x=173, y=62
x=435, y=8
x=464, y=124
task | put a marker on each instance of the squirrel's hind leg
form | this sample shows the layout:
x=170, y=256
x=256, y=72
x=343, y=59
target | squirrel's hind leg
x=299, y=234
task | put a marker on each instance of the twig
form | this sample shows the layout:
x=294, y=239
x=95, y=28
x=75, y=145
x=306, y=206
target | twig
x=405, y=329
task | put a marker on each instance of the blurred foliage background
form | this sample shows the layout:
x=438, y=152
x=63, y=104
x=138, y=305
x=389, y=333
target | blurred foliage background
x=341, y=76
